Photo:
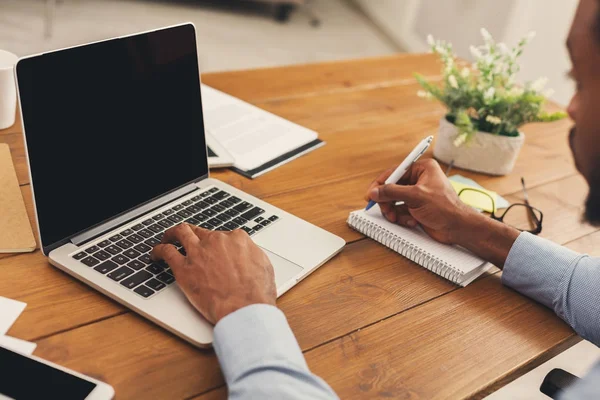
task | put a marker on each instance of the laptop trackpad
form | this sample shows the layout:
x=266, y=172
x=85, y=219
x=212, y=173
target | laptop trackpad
x=284, y=269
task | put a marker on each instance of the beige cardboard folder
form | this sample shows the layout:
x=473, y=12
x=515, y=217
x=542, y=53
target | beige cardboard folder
x=15, y=231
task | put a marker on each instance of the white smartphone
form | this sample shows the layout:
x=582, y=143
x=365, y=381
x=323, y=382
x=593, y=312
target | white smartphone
x=24, y=377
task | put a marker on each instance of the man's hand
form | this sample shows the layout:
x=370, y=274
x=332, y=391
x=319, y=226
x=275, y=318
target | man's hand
x=222, y=272
x=428, y=198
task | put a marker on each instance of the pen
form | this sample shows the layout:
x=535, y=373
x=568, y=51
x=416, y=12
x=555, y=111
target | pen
x=405, y=165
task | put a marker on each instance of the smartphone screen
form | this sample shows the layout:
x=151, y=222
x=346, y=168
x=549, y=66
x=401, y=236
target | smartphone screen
x=22, y=378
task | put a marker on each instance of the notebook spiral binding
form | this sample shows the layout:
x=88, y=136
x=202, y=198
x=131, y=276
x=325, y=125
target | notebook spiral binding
x=403, y=247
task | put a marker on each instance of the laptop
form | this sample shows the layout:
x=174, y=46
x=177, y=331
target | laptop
x=116, y=148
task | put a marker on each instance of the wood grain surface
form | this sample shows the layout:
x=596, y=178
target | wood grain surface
x=371, y=323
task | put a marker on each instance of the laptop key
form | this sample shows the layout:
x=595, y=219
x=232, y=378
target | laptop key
x=120, y=273
x=178, y=207
x=112, y=249
x=175, y=218
x=138, y=227
x=156, y=228
x=240, y=220
x=258, y=227
x=255, y=212
x=106, y=266
x=120, y=259
x=243, y=206
x=232, y=213
x=80, y=255
x=202, y=204
x=136, y=279
x=259, y=219
x=208, y=226
x=145, y=233
x=273, y=218
x=218, y=208
x=102, y=255
x=220, y=195
x=104, y=243
x=155, y=284
x=146, y=259
x=115, y=238
x=194, y=209
x=234, y=199
x=192, y=221
x=90, y=261
x=187, y=203
x=223, y=228
x=166, y=278
x=166, y=223
x=144, y=291
x=136, y=264
x=131, y=253
x=154, y=268
x=215, y=222
x=231, y=225
x=152, y=241
x=265, y=222
x=168, y=212
x=226, y=203
x=157, y=217
x=92, y=249
x=135, y=238
x=147, y=222
x=205, y=194
x=201, y=217
x=212, y=190
x=127, y=232
x=210, y=200
x=195, y=198
x=142, y=247
x=159, y=236
x=184, y=214
x=124, y=244
x=209, y=213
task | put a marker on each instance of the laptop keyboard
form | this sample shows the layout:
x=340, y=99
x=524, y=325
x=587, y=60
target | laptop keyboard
x=125, y=257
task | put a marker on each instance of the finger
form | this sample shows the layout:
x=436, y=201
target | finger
x=183, y=234
x=404, y=218
x=380, y=180
x=388, y=211
x=169, y=254
x=411, y=195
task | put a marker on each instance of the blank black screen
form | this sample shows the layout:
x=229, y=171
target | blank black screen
x=110, y=126
x=22, y=378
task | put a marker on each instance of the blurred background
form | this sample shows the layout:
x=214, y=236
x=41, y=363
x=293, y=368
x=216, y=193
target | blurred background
x=241, y=34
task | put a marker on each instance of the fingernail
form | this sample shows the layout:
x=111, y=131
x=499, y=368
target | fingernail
x=373, y=193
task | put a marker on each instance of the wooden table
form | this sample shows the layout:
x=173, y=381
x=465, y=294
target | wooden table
x=371, y=323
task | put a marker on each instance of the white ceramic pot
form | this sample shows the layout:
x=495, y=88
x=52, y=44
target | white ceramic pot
x=8, y=91
x=485, y=152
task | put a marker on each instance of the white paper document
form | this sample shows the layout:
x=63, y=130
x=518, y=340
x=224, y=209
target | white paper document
x=9, y=312
x=251, y=135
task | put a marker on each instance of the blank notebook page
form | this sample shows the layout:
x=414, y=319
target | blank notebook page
x=419, y=247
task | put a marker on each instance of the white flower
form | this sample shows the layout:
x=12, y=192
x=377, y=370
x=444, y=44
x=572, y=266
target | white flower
x=539, y=84
x=503, y=48
x=452, y=81
x=489, y=94
x=440, y=49
x=465, y=72
x=430, y=40
x=516, y=91
x=460, y=139
x=476, y=53
x=424, y=94
x=548, y=92
x=486, y=35
x=449, y=65
x=493, y=119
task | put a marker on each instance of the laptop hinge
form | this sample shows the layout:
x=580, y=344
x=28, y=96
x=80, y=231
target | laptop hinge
x=99, y=230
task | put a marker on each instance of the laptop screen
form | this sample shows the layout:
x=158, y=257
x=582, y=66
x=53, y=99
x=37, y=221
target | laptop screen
x=110, y=126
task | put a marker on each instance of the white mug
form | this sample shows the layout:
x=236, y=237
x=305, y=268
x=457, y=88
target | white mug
x=8, y=89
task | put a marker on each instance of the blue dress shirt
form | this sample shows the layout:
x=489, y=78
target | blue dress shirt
x=260, y=357
x=568, y=283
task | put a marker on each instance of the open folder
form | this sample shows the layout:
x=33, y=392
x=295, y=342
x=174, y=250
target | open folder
x=257, y=140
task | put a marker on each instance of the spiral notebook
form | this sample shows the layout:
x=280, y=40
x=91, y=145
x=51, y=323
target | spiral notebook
x=454, y=263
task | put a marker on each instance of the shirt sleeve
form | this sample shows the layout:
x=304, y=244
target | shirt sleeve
x=559, y=278
x=261, y=359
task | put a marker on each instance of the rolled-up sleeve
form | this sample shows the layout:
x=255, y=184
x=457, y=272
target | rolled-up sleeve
x=559, y=278
x=261, y=359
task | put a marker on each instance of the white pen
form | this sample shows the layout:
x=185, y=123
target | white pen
x=405, y=165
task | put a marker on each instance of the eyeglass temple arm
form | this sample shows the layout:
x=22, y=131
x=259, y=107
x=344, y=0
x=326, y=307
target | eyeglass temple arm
x=533, y=218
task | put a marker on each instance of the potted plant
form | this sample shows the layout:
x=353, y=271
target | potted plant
x=486, y=107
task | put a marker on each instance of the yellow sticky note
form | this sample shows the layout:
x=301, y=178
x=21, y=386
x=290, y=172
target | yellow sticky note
x=473, y=198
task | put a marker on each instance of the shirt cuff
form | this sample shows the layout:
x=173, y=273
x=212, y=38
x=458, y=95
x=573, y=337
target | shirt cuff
x=537, y=268
x=252, y=336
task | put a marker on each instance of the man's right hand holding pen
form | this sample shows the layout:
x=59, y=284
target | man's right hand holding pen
x=430, y=201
